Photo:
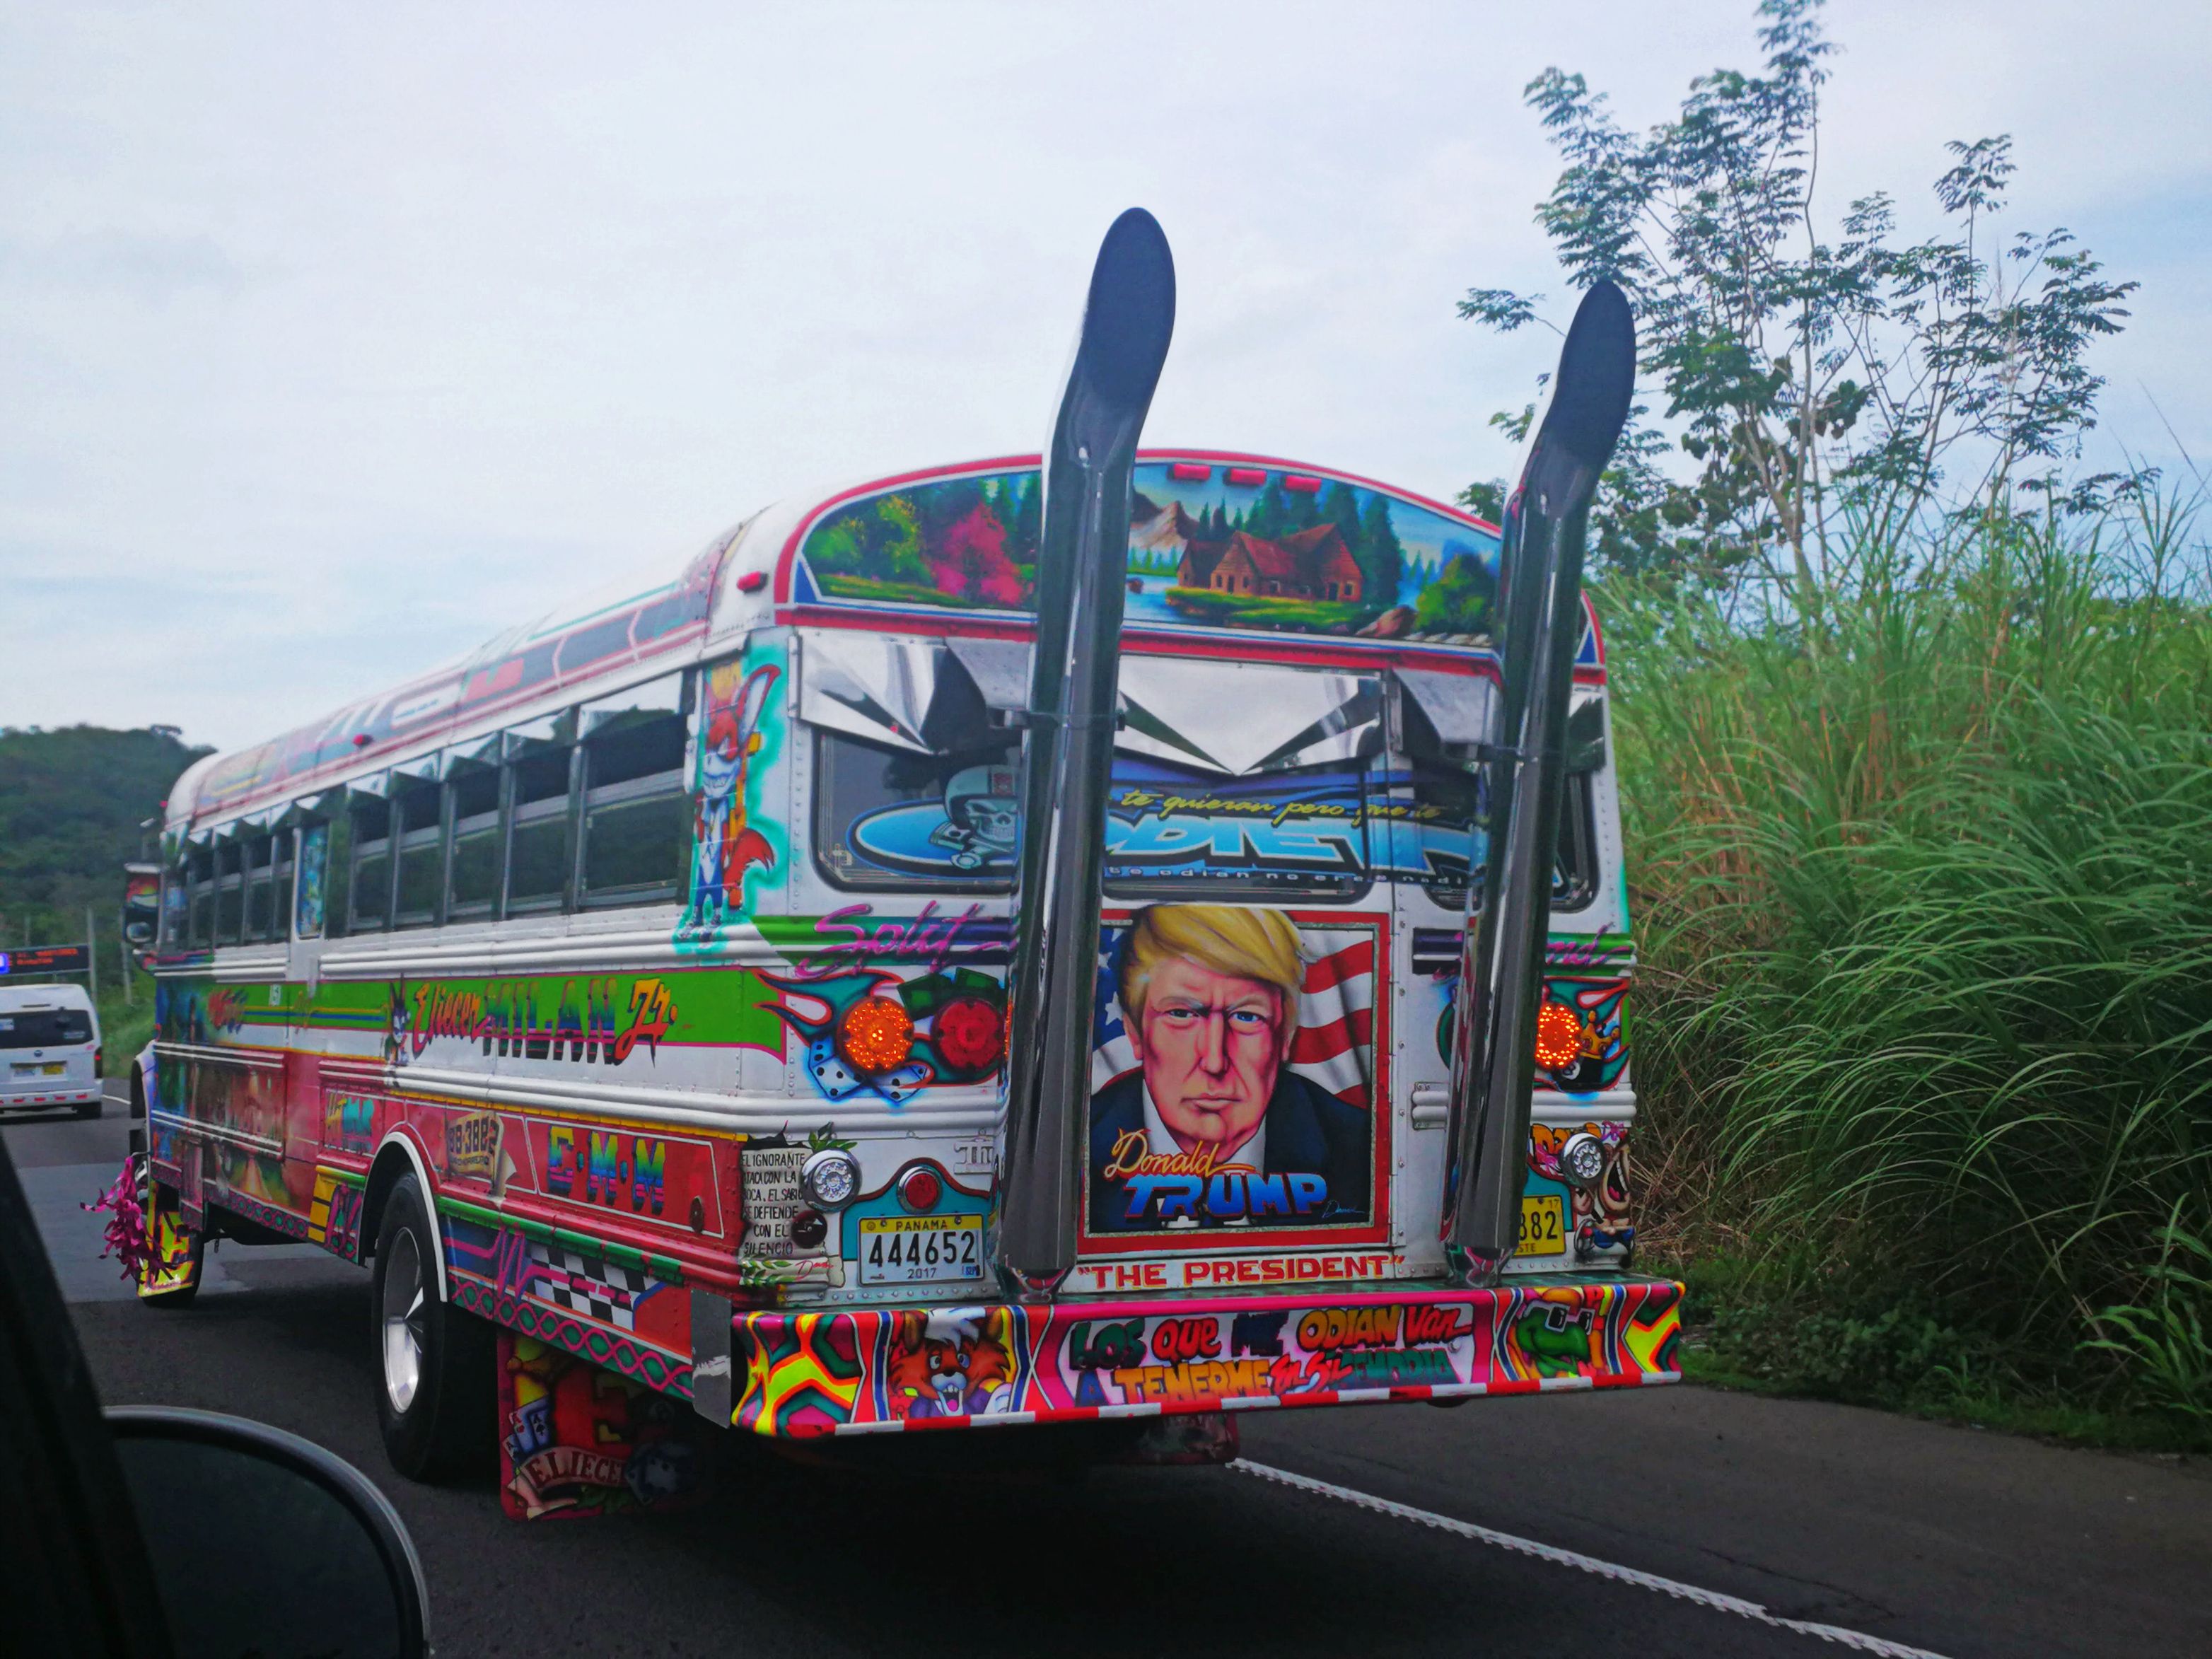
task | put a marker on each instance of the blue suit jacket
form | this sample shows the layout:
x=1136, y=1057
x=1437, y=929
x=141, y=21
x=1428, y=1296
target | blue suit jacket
x=1310, y=1131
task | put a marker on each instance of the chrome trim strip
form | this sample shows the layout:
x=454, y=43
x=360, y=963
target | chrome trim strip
x=208, y=1053
x=192, y=1126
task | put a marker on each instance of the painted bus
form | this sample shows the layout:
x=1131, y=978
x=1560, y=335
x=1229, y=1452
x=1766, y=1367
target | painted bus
x=634, y=992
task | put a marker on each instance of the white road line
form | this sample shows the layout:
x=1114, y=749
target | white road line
x=1651, y=1581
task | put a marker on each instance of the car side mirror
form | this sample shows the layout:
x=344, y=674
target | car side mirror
x=263, y=1542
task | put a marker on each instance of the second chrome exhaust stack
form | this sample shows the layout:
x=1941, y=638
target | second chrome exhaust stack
x=1541, y=616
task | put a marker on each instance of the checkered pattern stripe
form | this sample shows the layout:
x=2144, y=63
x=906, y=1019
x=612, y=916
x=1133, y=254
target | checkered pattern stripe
x=605, y=1292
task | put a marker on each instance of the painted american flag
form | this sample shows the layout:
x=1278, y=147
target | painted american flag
x=1333, y=1047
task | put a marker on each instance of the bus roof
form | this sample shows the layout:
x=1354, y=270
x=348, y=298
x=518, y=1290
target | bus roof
x=1230, y=553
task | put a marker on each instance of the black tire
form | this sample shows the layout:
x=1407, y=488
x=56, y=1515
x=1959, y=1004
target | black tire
x=182, y=1296
x=88, y=1108
x=433, y=1377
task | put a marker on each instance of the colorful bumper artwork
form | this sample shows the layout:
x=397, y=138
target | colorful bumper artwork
x=869, y=1371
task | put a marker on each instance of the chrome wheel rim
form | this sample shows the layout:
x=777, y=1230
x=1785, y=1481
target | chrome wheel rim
x=404, y=1320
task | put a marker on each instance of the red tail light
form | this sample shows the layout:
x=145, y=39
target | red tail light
x=1558, y=1036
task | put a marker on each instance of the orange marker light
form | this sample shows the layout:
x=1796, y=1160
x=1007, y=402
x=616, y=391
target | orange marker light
x=1558, y=1036
x=876, y=1035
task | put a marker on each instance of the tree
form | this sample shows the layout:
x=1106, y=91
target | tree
x=71, y=802
x=1381, y=556
x=1459, y=600
x=1812, y=378
x=1268, y=513
x=1339, y=506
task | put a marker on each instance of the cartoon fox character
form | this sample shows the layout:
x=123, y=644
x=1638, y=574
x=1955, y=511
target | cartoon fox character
x=726, y=846
x=951, y=1362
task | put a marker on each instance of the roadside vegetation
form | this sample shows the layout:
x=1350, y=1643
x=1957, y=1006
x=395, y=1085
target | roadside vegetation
x=1914, y=725
x=72, y=802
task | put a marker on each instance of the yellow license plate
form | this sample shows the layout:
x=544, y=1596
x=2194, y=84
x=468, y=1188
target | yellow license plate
x=1543, y=1227
x=915, y=1249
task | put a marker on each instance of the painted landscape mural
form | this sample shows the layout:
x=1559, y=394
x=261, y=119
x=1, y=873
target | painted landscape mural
x=1210, y=546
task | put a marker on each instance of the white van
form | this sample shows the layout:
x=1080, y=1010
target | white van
x=49, y=1048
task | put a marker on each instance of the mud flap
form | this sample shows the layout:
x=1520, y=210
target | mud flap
x=575, y=1440
x=173, y=1247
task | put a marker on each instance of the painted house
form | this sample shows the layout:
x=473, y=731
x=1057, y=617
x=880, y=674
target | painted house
x=1310, y=564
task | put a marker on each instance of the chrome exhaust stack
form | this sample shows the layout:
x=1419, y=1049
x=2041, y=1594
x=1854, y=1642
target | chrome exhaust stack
x=1540, y=614
x=1068, y=752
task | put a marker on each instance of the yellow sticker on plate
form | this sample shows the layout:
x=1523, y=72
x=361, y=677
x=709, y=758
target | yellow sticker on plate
x=1543, y=1227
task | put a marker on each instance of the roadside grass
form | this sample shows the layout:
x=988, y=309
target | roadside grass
x=1924, y=1025
x=125, y=1027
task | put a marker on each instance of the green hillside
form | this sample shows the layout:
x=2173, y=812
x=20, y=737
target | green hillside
x=70, y=805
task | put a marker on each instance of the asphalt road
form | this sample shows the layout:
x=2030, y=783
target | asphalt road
x=1934, y=1539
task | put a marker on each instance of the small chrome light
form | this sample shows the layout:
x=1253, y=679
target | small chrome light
x=1582, y=1160
x=830, y=1178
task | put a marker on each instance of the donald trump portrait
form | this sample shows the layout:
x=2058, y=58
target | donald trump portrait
x=1214, y=1128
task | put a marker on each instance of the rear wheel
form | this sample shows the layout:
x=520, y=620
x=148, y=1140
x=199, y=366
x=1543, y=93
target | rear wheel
x=434, y=1398
x=88, y=1109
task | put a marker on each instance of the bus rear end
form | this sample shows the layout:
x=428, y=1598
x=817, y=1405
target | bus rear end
x=1306, y=669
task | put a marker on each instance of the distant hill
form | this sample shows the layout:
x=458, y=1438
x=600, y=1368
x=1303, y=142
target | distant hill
x=70, y=805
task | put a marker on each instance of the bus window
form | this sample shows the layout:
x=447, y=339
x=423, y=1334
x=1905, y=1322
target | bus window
x=260, y=875
x=280, y=903
x=335, y=867
x=418, y=812
x=1437, y=807
x=230, y=893
x=538, y=864
x=893, y=817
x=201, y=865
x=636, y=817
x=472, y=881
x=176, y=895
x=370, y=906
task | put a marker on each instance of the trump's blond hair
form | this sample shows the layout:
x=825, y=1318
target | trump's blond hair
x=1261, y=944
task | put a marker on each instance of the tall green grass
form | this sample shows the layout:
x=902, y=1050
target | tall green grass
x=1924, y=871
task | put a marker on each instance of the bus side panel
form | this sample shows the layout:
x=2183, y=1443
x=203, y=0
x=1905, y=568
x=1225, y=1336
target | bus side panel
x=221, y=1127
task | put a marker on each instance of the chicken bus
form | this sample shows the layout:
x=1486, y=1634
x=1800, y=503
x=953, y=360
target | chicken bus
x=646, y=991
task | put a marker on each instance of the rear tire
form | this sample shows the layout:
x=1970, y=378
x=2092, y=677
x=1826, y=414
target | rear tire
x=88, y=1109
x=435, y=1395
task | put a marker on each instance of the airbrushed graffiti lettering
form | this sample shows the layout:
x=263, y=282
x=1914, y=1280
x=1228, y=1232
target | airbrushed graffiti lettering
x=505, y=1019
x=1187, y=1359
x=929, y=939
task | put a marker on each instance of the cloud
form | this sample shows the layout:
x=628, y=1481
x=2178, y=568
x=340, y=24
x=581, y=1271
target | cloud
x=337, y=340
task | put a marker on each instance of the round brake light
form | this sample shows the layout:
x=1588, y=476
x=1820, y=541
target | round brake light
x=918, y=1189
x=971, y=1033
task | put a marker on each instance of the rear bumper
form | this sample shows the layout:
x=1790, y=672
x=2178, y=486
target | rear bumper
x=10, y=1101
x=883, y=1371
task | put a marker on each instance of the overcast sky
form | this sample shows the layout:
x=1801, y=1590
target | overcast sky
x=334, y=338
